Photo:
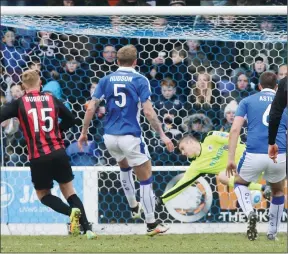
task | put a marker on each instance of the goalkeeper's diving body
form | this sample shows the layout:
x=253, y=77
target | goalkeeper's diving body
x=210, y=157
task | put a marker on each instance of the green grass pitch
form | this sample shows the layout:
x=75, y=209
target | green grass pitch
x=229, y=243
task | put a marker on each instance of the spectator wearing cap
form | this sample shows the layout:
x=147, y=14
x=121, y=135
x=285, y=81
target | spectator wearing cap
x=260, y=65
x=229, y=115
x=198, y=125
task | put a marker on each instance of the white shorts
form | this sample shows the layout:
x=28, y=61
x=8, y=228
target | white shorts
x=132, y=148
x=251, y=166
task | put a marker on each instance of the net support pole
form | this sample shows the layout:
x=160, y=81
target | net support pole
x=142, y=11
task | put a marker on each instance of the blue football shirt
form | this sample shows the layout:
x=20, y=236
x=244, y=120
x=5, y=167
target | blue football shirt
x=124, y=91
x=256, y=109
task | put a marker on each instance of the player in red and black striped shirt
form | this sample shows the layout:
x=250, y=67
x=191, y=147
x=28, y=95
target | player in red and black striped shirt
x=38, y=114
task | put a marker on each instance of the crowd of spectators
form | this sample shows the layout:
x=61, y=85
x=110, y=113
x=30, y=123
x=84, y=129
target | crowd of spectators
x=141, y=2
x=196, y=85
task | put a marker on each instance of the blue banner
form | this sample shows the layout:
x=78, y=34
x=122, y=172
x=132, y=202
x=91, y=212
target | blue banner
x=19, y=202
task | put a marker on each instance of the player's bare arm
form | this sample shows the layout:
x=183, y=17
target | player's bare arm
x=233, y=140
x=152, y=117
x=90, y=112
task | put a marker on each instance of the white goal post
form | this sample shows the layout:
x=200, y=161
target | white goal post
x=143, y=10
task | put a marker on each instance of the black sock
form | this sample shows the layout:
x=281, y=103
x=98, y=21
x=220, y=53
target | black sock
x=135, y=209
x=56, y=204
x=152, y=225
x=74, y=201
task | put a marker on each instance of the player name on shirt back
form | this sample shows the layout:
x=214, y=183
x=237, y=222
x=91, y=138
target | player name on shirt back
x=266, y=98
x=37, y=98
x=121, y=78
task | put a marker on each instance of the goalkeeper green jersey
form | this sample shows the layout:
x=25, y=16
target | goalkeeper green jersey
x=212, y=160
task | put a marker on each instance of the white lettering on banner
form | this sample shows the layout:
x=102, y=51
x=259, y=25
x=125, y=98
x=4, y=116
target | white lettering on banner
x=121, y=78
x=35, y=209
x=241, y=217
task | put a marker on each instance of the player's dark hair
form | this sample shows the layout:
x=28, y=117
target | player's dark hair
x=268, y=79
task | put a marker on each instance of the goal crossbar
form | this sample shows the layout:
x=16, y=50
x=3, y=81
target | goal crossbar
x=143, y=10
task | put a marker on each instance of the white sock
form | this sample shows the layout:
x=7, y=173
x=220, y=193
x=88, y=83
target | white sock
x=127, y=182
x=244, y=198
x=275, y=214
x=147, y=198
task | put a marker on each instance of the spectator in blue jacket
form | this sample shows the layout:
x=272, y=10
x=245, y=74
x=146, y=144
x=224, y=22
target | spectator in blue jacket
x=54, y=88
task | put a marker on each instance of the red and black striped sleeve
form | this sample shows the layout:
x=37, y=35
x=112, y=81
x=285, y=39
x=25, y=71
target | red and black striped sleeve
x=9, y=110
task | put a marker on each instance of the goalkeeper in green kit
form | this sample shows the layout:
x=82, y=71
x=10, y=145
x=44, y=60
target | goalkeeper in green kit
x=210, y=157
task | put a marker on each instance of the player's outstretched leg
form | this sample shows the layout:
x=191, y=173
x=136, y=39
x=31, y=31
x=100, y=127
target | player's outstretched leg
x=128, y=185
x=147, y=198
x=276, y=209
x=79, y=215
x=265, y=188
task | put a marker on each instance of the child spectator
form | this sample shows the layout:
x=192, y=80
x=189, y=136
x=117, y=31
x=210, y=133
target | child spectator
x=13, y=58
x=260, y=65
x=15, y=143
x=35, y=64
x=229, y=115
x=168, y=99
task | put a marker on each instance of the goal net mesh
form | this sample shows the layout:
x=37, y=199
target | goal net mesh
x=199, y=68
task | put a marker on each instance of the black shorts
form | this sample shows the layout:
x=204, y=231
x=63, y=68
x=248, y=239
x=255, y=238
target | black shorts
x=54, y=166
